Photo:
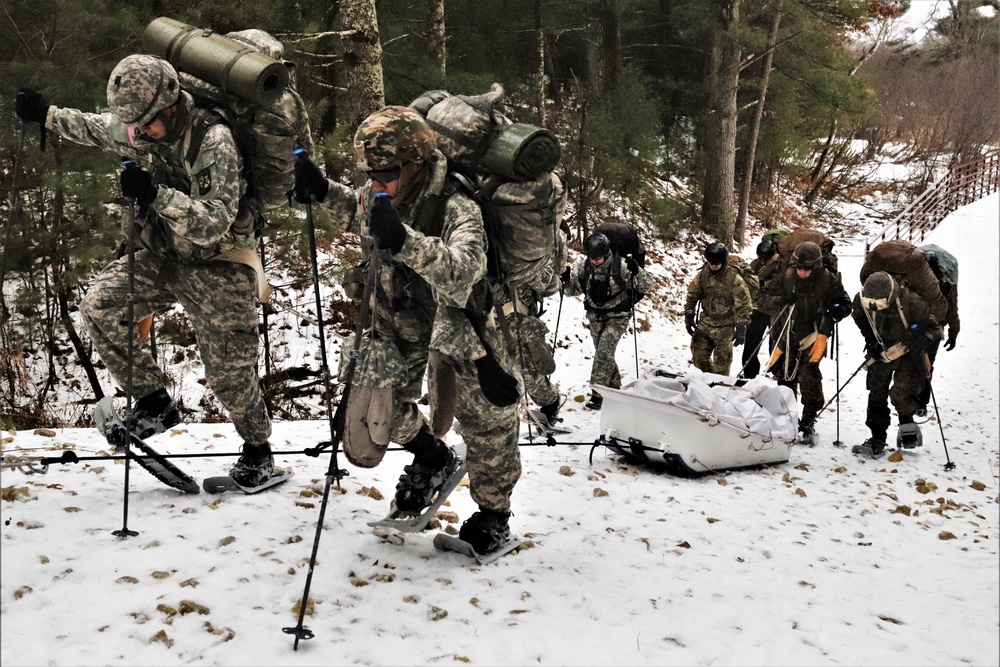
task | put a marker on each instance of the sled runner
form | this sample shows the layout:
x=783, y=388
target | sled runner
x=699, y=423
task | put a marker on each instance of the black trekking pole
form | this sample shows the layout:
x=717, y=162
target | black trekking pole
x=836, y=347
x=927, y=367
x=337, y=419
x=130, y=323
x=867, y=362
x=15, y=203
x=635, y=331
x=763, y=336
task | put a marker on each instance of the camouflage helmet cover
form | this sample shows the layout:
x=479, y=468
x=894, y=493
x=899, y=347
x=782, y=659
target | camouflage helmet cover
x=140, y=87
x=807, y=255
x=392, y=137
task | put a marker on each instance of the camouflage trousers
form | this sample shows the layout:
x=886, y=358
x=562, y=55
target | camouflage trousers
x=490, y=433
x=219, y=299
x=807, y=385
x=712, y=348
x=907, y=379
x=606, y=329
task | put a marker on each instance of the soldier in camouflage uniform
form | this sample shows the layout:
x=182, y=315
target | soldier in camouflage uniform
x=535, y=360
x=809, y=299
x=898, y=329
x=610, y=285
x=759, y=320
x=193, y=248
x=725, y=310
x=430, y=304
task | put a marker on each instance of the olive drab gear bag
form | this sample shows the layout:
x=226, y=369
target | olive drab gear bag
x=266, y=115
x=507, y=168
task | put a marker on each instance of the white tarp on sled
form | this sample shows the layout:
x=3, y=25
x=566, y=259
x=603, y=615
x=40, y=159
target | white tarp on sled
x=700, y=422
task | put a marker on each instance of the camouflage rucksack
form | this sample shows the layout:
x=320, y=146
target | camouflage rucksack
x=267, y=134
x=508, y=169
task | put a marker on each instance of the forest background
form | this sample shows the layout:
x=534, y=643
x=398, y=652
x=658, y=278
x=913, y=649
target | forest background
x=693, y=120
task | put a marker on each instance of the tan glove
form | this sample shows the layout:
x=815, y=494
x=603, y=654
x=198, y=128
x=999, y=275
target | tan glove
x=818, y=349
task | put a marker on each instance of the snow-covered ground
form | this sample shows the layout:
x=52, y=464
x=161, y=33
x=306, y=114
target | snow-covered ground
x=829, y=559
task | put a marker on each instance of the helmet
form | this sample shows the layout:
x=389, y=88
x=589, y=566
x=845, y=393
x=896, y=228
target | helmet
x=766, y=250
x=878, y=292
x=807, y=255
x=140, y=87
x=392, y=137
x=716, y=253
x=597, y=245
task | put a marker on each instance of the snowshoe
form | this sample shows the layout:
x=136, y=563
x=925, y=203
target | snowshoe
x=871, y=447
x=538, y=419
x=409, y=523
x=446, y=542
x=807, y=436
x=153, y=414
x=909, y=436
x=225, y=483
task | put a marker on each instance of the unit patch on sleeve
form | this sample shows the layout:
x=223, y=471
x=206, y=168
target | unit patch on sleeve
x=204, y=178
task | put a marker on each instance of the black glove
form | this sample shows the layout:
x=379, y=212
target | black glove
x=31, y=106
x=839, y=311
x=915, y=340
x=788, y=299
x=385, y=225
x=952, y=337
x=689, y=323
x=874, y=349
x=631, y=265
x=309, y=181
x=565, y=276
x=740, y=335
x=499, y=387
x=137, y=185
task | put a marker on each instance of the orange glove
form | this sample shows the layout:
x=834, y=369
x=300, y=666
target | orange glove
x=818, y=349
x=774, y=358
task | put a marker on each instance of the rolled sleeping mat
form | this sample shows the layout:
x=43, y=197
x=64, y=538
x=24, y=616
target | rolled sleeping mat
x=521, y=151
x=232, y=66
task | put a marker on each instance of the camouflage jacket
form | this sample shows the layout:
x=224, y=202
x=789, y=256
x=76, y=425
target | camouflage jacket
x=608, y=288
x=195, y=210
x=439, y=271
x=724, y=296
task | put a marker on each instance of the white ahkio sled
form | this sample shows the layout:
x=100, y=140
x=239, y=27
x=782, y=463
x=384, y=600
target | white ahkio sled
x=699, y=423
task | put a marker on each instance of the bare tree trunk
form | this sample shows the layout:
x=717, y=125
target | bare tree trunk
x=540, y=83
x=744, y=205
x=718, y=204
x=363, y=60
x=436, y=36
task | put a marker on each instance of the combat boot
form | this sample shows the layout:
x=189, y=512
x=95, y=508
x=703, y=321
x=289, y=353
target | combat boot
x=872, y=447
x=423, y=478
x=486, y=530
x=255, y=465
